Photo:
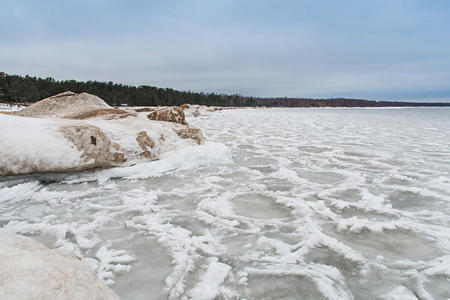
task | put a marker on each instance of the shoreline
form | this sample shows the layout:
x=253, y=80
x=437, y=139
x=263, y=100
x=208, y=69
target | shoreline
x=6, y=107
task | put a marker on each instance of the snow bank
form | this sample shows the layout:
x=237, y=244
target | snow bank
x=73, y=132
x=31, y=271
x=70, y=105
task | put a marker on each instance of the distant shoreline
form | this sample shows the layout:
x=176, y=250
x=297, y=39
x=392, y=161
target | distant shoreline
x=11, y=106
x=25, y=89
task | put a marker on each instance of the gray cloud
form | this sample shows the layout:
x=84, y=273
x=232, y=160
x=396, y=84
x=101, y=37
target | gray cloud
x=298, y=59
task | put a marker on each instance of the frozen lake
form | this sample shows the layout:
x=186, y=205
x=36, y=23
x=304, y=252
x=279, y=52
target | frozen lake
x=279, y=204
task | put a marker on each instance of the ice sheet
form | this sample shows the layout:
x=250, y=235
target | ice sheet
x=279, y=204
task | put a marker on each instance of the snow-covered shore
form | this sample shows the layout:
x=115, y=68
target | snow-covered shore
x=74, y=132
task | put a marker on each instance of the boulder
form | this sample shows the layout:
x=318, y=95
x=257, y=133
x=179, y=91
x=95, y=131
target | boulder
x=94, y=145
x=191, y=132
x=147, y=144
x=169, y=114
x=32, y=271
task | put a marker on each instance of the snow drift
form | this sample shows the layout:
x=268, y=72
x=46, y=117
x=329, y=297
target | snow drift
x=31, y=271
x=73, y=132
x=69, y=105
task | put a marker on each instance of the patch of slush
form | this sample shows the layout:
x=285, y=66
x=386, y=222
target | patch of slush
x=278, y=204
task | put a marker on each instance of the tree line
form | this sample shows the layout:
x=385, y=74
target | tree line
x=27, y=89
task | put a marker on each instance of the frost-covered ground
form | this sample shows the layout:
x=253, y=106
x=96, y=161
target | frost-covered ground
x=279, y=204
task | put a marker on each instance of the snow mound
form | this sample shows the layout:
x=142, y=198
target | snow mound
x=69, y=105
x=75, y=132
x=31, y=145
x=31, y=271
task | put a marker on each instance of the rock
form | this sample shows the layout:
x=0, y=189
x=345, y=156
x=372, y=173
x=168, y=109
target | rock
x=191, y=132
x=144, y=109
x=169, y=114
x=94, y=145
x=69, y=105
x=185, y=106
x=196, y=113
x=32, y=271
x=146, y=142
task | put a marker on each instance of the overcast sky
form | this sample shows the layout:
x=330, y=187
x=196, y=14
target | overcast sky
x=374, y=49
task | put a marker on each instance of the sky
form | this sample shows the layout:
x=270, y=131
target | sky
x=377, y=49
